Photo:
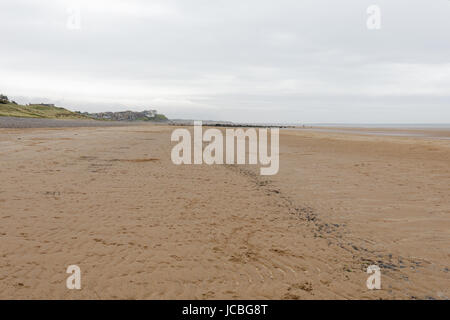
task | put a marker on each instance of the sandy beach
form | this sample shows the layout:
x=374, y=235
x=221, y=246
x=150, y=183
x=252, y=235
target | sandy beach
x=110, y=200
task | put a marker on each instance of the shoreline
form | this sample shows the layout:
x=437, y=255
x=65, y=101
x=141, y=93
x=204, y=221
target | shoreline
x=428, y=133
x=440, y=133
x=29, y=123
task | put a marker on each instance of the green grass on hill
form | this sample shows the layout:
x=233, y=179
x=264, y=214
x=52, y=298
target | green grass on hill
x=157, y=118
x=160, y=117
x=37, y=111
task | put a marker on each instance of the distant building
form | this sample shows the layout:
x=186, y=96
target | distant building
x=125, y=115
x=4, y=99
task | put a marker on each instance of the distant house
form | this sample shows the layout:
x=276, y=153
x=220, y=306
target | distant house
x=125, y=115
x=3, y=99
x=149, y=113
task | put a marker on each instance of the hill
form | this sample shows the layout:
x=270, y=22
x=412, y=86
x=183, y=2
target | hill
x=49, y=111
x=10, y=109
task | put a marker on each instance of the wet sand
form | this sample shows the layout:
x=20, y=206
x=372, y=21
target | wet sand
x=110, y=201
x=430, y=133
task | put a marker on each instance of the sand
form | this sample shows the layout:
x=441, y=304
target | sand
x=110, y=201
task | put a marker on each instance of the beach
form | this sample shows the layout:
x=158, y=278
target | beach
x=110, y=200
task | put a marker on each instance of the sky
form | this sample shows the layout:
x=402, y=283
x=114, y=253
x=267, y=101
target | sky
x=286, y=61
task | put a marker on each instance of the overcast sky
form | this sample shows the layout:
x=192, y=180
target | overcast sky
x=241, y=60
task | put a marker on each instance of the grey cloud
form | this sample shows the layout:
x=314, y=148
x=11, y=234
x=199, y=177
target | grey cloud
x=308, y=61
